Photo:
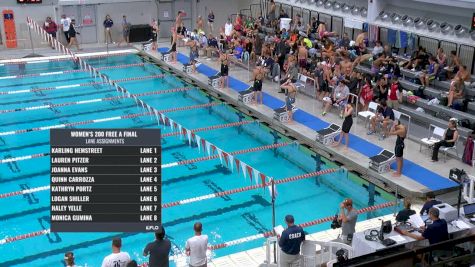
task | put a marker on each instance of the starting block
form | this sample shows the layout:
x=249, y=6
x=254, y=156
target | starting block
x=327, y=135
x=215, y=81
x=146, y=46
x=246, y=96
x=188, y=68
x=166, y=56
x=282, y=115
x=382, y=162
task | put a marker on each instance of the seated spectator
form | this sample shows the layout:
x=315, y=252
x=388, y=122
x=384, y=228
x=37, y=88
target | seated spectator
x=430, y=202
x=345, y=41
x=377, y=49
x=403, y=215
x=456, y=92
x=323, y=33
x=418, y=60
x=435, y=232
x=450, y=136
x=384, y=116
x=464, y=75
x=238, y=50
x=454, y=65
x=339, y=98
x=441, y=58
x=430, y=74
x=212, y=46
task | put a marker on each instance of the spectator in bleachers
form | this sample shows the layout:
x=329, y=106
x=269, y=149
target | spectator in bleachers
x=322, y=31
x=431, y=73
x=464, y=75
x=272, y=10
x=384, y=116
x=381, y=90
x=366, y=94
x=454, y=65
x=211, y=21
x=291, y=74
x=404, y=214
x=283, y=14
x=212, y=46
x=339, y=97
x=441, y=57
x=377, y=49
x=400, y=131
x=302, y=56
x=418, y=60
x=450, y=137
x=456, y=92
x=395, y=94
x=228, y=30
x=346, y=126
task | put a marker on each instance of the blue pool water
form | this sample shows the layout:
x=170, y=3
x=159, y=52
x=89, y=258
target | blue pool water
x=224, y=219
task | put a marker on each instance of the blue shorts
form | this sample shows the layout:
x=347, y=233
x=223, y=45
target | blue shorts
x=288, y=102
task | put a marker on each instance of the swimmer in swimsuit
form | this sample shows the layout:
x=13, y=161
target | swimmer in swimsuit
x=258, y=76
x=400, y=131
x=173, y=49
x=224, y=71
x=290, y=95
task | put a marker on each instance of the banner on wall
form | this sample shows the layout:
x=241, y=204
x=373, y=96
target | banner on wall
x=351, y=23
x=285, y=23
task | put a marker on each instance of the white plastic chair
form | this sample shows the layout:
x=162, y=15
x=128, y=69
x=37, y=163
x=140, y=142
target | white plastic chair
x=372, y=108
x=301, y=82
x=446, y=149
x=435, y=135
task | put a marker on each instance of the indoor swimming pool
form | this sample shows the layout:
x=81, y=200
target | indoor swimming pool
x=35, y=97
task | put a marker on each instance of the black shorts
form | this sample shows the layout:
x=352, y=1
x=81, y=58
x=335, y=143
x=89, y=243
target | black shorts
x=154, y=37
x=399, y=150
x=224, y=70
x=53, y=34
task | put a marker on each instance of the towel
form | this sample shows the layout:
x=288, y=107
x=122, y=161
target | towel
x=392, y=36
x=403, y=39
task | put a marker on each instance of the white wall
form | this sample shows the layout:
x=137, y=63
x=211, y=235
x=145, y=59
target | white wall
x=139, y=12
x=37, y=12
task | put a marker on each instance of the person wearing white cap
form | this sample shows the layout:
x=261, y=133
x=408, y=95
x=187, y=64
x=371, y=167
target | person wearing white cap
x=450, y=137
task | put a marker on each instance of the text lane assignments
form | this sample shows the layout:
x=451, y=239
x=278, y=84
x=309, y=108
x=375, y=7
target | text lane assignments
x=105, y=180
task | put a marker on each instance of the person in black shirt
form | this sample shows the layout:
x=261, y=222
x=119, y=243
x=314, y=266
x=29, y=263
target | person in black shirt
x=385, y=116
x=403, y=215
x=290, y=242
x=450, y=137
x=435, y=232
x=158, y=250
x=431, y=201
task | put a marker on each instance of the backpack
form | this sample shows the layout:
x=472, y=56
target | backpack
x=468, y=151
x=464, y=123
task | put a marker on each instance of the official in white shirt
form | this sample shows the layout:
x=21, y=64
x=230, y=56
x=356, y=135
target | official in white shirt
x=117, y=258
x=196, y=247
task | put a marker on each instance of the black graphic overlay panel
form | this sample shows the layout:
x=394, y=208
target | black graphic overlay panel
x=105, y=180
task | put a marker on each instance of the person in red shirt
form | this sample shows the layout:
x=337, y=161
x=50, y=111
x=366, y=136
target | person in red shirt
x=366, y=94
x=51, y=28
x=394, y=94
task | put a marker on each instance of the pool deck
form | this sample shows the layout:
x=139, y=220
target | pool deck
x=351, y=159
